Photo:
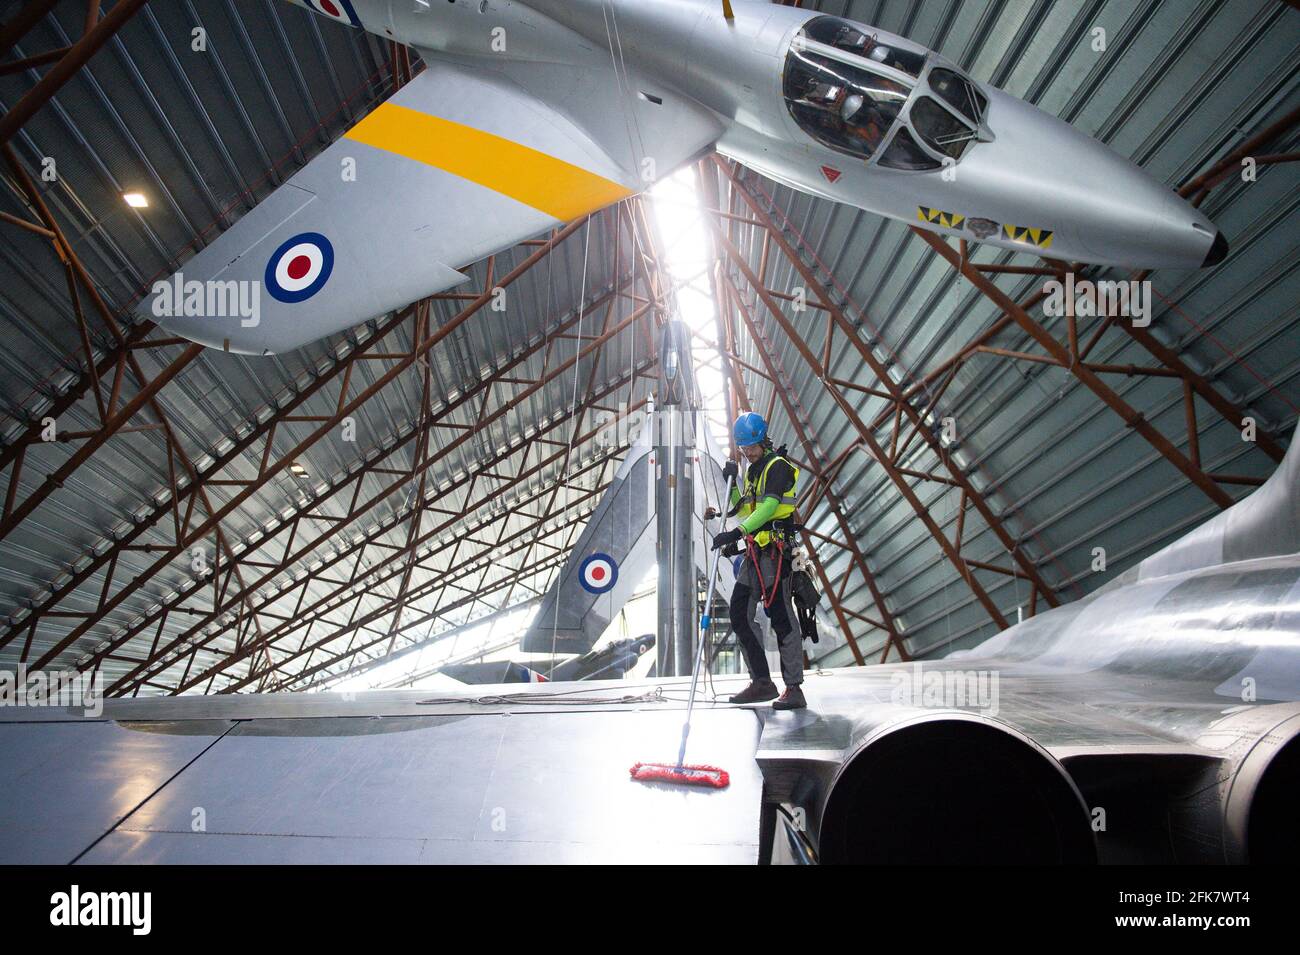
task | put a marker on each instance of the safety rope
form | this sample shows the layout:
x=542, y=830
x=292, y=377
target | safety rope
x=754, y=552
x=947, y=616
x=573, y=427
x=712, y=495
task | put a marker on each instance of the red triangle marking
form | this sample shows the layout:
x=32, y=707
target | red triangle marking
x=831, y=173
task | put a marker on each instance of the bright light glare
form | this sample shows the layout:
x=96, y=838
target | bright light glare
x=688, y=258
x=495, y=639
x=136, y=200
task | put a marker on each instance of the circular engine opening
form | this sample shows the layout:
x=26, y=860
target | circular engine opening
x=954, y=792
x=1273, y=829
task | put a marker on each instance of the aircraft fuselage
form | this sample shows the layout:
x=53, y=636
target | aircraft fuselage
x=841, y=119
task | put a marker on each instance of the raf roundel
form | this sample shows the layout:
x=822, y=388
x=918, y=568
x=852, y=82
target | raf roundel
x=598, y=573
x=340, y=10
x=300, y=267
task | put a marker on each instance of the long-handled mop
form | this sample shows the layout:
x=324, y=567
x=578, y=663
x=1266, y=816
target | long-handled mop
x=681, y=773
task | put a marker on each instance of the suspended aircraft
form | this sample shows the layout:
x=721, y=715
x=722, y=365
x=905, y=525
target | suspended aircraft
x=532, y=113
x=611, y=662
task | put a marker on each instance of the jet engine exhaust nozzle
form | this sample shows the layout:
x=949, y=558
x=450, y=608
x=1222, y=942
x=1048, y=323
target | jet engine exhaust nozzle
x=954, y=790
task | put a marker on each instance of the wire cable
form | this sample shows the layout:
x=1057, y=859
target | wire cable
x=573, y=425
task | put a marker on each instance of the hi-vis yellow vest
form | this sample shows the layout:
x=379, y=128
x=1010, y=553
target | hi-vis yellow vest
x=754, y=494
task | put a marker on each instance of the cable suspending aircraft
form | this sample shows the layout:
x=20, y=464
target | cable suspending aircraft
x=532, y=113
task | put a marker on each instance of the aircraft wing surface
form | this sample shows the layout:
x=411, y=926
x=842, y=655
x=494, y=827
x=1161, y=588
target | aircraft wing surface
x=464, y=160
x=318, y=778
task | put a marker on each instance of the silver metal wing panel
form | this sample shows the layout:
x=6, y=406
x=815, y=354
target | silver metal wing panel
x=454, y=788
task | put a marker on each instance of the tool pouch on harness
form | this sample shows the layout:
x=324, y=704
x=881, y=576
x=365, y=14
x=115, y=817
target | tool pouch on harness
x=805, y=596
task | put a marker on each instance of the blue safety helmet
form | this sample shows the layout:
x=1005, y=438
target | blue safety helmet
x=750, y=429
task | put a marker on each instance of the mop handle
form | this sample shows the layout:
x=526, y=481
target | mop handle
x=695, y=671
x=705, y=620
x=704, y=632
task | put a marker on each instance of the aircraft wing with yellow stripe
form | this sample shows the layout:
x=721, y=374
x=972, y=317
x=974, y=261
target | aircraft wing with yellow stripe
x=460, y=163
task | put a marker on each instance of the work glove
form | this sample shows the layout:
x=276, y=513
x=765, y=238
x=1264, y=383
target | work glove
x=724, y=538
x=730, y=471
x=732, y=550
x=710, y=513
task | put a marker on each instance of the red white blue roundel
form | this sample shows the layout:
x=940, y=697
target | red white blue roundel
x=598, y=573
x=300, y=267
x=340, y=10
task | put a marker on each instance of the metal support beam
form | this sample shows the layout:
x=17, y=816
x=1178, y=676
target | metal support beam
x=1197, y=190
x=798, y=418
x=304, y=552
x=473, y=594
x=793, y=336
x=304, y=616
x=18, y=26
x=529, y=566
x=62, y=71
x=903, y=407
x=270, y=468
x=738, y=398
x=1090, y=379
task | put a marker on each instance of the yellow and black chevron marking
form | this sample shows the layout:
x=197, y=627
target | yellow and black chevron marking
x=949, y=220
x=1042, y=238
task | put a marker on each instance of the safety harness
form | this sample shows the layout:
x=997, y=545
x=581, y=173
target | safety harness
x=756, y=491
x=752, y=550
x=777, y=531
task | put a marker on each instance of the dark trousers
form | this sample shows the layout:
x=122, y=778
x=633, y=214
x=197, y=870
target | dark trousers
x=745, y=598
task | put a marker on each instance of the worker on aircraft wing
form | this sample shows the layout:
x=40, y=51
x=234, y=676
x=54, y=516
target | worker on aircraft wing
x=765, y=536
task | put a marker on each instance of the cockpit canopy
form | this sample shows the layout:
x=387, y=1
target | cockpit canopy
x=859, y=95
x=844, y=36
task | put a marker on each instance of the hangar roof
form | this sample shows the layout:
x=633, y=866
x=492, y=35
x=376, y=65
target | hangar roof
x=471, y=461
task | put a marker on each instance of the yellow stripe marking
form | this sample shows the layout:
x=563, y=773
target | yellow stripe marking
x=559, y=189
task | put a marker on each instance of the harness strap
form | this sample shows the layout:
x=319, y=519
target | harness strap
x=753, y=553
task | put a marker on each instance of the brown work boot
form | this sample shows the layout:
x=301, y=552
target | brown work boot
x=760, y=691
x=791, y=699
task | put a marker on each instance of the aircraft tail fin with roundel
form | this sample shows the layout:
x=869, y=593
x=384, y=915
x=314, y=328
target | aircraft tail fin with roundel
x=617, y=549
x=608, y=562
x=655, y=509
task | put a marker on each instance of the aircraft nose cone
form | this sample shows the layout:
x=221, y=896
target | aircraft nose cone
x=1218, y=251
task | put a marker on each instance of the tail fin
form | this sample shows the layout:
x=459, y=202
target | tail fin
x=614, y=552
x=1265, y=524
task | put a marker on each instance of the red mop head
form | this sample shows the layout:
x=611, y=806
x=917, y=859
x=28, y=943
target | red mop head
x=690, y=775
